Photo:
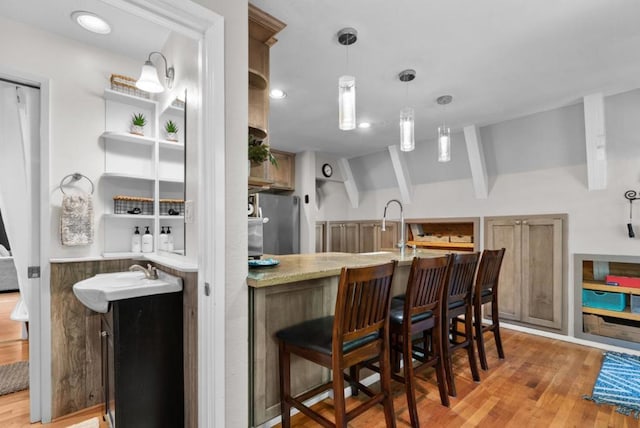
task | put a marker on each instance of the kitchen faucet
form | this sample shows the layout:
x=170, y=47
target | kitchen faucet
x=401, y=243
x=150, y=272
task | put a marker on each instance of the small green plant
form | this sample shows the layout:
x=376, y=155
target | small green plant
x=171, y=127
x=138, y=119
x=260, y=151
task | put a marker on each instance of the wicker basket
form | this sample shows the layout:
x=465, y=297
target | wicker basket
x=432, y=238
x=123, y=204
x=127, y=85
x=169, y=206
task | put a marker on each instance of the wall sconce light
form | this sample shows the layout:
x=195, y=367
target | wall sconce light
x=347, y=85
x=149, y=81
x=407, y=137
x=444, y=133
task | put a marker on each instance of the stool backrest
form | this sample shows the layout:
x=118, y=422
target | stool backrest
x=461, y=276
x=424, y=287
x=489, y=272
x=362, y=304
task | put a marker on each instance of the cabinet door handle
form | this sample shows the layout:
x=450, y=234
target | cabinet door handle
x=104, y=333
x=517, y=221
x=524, y=222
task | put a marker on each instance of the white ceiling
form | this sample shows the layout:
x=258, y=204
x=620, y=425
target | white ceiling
x=130, y=36
x=499, y=59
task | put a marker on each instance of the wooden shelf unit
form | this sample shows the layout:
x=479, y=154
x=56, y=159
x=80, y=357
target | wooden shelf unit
x=621, y=328
x=460, y=226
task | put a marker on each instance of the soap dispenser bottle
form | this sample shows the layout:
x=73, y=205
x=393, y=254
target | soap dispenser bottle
x=147, y=241
x=169, y=239
x=163, y=240
x=136, y=241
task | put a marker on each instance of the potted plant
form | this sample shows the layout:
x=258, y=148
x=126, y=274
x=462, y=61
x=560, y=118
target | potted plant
x=138, y=121
x=171, y=128
x=259, y=152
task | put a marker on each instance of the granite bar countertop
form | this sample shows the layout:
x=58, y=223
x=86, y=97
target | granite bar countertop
x=301, y=267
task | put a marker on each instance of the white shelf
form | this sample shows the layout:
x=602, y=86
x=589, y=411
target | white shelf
x=172, y=180
x=127, y=176
x=128, y=138
x=123, y=255
x=130, y=216
x=172, y=217
x=120, y=97
x=174, y=110
x=171, y=145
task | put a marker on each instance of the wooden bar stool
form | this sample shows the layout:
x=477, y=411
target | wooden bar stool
x=486, y=291
x=457, y=295
x=420, y=314
x=358, y=332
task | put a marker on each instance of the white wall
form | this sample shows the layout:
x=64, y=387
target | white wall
x=596, y=219
x=79, y=73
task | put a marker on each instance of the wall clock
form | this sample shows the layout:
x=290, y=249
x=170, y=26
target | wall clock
x=327, y=170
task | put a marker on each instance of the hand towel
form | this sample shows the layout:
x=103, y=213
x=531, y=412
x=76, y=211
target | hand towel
x=76, y=220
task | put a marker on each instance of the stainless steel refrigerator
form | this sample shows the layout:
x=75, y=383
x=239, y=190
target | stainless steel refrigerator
x=281, y=234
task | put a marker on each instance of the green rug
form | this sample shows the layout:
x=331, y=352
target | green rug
x=14, y=377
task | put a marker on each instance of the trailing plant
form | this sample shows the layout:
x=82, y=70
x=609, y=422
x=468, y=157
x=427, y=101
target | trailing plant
x=171, y=127
x=138, y=119
x=260, y=151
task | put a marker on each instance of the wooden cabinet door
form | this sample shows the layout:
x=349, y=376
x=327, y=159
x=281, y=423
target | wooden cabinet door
x=283, y=176
x=335, y=237
x=320, y=248
x=542, y=255
x=388, y=238
x=351, y=237
x=507, y=233
x=368, y=238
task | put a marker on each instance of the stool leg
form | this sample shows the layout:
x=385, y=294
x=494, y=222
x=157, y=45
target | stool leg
x=496, y=326
x=436, y=345
x=477, y=320
x=284, y=361
x=385, y=384
x=470, y=347
x=409, y=381
x=354, y=374
x=446, y=356
x=338, y=397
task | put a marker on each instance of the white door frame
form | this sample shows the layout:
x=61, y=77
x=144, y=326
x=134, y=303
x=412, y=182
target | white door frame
x=206, y=26
x=39, y=303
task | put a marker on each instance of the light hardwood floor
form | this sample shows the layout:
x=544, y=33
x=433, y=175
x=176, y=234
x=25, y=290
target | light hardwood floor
x=540, y=384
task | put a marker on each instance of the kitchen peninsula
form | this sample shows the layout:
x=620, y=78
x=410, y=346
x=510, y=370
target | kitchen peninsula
x=299, y=288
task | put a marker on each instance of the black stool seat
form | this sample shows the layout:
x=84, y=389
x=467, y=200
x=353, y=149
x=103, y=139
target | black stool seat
x=317, y=335
x=397, y=313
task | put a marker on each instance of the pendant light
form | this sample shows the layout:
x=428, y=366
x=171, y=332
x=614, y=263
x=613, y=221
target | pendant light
x=347, y=85
x=444, y=133
x=407, y=137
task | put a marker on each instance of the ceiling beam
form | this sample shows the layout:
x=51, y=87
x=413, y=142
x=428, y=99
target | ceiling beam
x=402, y=174
x=596, y=141
x=476, y=161
x=349, y=183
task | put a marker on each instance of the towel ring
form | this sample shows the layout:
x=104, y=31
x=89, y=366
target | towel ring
x=74, y=177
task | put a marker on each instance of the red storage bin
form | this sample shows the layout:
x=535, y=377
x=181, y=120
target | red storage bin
x=623, y=281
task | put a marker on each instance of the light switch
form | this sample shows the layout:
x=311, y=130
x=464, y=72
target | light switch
x=188, y=212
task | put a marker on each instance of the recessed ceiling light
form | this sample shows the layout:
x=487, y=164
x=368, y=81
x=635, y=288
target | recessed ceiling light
x=277, y=94
x=91, y=22
x=364, y=125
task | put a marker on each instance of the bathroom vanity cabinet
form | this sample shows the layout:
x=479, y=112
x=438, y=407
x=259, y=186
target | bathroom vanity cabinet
x=143, y=166
x=142, y=362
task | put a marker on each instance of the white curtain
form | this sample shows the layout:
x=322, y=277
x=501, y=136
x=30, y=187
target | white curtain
x=18, y=161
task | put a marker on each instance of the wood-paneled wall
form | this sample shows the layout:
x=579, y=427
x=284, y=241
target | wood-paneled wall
x=75, y=339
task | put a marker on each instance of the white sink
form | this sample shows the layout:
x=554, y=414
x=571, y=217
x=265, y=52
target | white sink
x=96, y=292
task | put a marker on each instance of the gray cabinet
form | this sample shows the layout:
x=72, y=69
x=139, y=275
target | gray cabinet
x=320, y=237
x=532, y=287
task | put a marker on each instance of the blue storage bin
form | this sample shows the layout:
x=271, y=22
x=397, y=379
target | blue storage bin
x=604, y=300
x=635, y=303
